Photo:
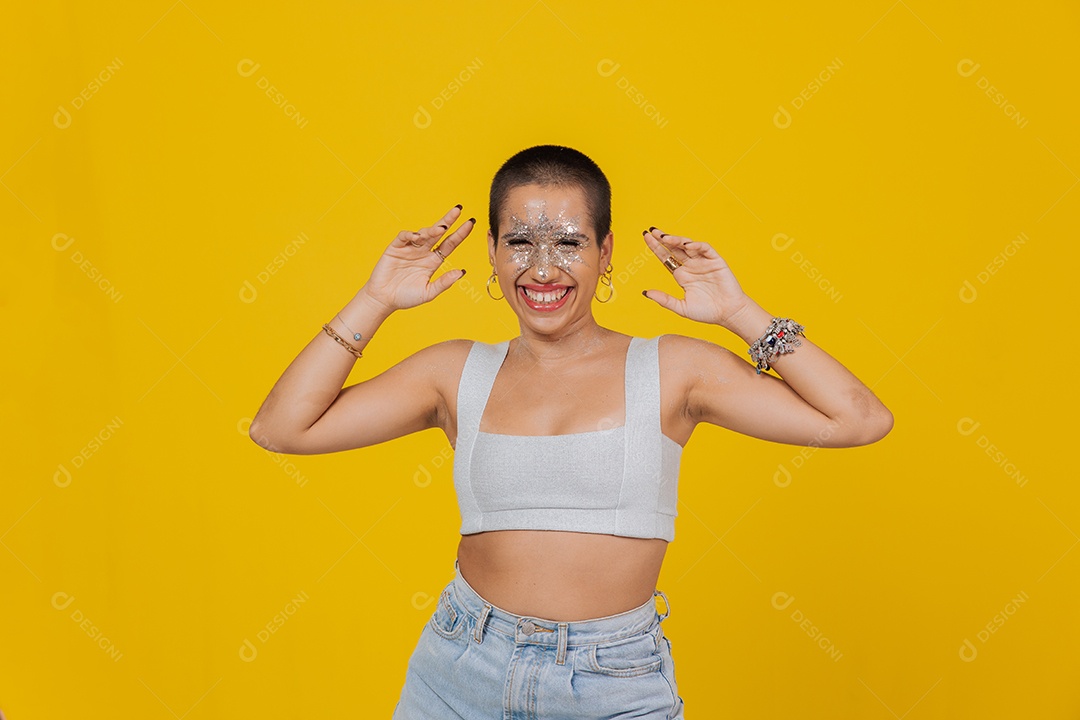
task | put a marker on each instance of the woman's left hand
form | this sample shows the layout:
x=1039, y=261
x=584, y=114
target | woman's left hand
x=711, y=292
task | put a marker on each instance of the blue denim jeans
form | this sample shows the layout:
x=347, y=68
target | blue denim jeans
x=475, y=661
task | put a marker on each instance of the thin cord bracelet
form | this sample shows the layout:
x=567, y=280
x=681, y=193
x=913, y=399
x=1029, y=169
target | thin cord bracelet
x=355, y=335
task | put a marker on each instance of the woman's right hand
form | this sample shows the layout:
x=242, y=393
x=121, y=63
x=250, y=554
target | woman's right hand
x=402, y=276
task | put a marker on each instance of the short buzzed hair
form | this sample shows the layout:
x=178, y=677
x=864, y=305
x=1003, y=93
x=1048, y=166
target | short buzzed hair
x=553, y=165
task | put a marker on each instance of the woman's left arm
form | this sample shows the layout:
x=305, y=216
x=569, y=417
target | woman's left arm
x=818, y=402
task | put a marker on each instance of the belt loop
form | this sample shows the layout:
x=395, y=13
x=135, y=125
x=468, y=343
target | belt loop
x=478, y=634
x=560, y=655
x=667, y=604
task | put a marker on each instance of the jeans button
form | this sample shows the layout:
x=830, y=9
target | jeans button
x=528, y=627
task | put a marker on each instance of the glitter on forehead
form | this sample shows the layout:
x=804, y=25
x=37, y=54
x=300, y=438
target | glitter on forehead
x=542, y=224
x=547, y=240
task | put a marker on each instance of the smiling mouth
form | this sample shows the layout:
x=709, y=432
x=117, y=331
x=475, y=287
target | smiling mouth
x=547, y=299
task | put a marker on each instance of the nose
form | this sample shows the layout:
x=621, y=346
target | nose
x=542, y=269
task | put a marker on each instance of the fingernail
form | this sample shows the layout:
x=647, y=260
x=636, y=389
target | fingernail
x=443, y=227
x=644, y=292
x=644, y=232
x=462, y=272
x=472, y=220
x=458, y=206
x=663, y=234
x=652, y=228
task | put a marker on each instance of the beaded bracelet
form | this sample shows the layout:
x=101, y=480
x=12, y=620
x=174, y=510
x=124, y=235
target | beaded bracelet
x=779, y=339
x=330, y=331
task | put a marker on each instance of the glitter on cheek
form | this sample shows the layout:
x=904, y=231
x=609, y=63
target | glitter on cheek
x=568, y=256
x=522, y=257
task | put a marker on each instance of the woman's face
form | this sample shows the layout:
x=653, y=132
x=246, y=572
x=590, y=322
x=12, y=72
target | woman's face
x=547, y=257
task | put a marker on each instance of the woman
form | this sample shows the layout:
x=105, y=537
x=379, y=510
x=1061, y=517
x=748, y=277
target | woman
x=567, y=442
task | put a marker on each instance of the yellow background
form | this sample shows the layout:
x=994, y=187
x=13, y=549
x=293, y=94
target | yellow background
x=174, y=241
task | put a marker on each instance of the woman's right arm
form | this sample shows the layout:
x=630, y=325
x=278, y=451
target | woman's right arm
x=307, y=411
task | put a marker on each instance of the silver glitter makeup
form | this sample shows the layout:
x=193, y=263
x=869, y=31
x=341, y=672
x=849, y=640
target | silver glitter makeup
x=540, y=241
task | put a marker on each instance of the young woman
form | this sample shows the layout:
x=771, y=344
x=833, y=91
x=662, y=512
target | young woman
x=567, y=442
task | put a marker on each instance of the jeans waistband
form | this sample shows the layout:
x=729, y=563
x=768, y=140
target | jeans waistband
x=543, y=631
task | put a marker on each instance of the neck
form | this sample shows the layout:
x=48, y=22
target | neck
x=583, y=337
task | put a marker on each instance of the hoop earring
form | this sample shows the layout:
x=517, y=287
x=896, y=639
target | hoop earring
x=493, y=277
x=605, y=279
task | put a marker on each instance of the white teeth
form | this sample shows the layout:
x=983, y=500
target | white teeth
x=545, y=297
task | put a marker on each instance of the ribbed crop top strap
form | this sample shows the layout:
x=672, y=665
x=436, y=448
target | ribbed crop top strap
x=643, y=469
x=477, y=378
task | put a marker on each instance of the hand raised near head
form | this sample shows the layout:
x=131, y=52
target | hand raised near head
x=711, y=292
x=402, y=276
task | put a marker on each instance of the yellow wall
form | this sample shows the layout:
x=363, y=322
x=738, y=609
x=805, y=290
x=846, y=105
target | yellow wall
x=173, y=236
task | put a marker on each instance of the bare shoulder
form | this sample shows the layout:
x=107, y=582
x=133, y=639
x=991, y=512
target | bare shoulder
x=447, y=351
x=445, y=362
x=692, y=368
x=685, y=358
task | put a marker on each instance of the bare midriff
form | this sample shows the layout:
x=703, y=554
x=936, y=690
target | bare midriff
x=560, y=575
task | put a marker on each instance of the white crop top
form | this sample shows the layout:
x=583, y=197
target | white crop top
x=618, y=481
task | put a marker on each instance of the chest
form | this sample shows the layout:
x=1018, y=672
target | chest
x=540, y=400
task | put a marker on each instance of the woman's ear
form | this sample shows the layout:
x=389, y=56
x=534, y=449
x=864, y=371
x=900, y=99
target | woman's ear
x=606, y=249
x=491, y=248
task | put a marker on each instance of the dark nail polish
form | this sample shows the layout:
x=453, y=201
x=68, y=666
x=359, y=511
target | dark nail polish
x=643, y=292
x=443, y=227
x=458, y=206
x=652, y=228
x=462, y=272
x=472, y=220
x=644, y=232
x=663, y=234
